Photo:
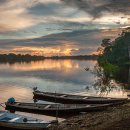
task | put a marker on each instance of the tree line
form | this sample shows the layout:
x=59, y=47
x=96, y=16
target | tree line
x=11, y=57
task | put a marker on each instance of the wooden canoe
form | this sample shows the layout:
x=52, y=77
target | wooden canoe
x=15, y=121
x=60, y=110
x=75, y=99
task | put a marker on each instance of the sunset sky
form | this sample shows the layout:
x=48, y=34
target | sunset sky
x=60, y=27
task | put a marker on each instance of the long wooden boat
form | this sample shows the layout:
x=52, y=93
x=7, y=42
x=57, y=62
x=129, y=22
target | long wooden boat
x=61, y=110
x=75, y=99
x=14, y=121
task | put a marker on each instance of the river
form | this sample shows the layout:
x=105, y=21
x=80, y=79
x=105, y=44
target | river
x=66, y=76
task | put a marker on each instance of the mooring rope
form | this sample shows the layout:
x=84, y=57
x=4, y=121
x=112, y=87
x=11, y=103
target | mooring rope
x=2, y=105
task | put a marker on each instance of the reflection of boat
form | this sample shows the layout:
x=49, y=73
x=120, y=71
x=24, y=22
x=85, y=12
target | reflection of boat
x=53, y=109
x=75, y=99
x=14, y=121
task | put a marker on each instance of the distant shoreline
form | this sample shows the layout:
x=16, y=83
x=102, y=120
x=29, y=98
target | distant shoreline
x=12, y=58
x=78, y=57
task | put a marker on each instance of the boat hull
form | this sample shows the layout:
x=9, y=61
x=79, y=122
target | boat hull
x=68, y=100
x=19, y=126
x=20, y=122
x=60, y=112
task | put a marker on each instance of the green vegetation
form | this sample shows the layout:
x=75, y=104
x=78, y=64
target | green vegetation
x=116, y=52
x=114, y=58
x=109, y=68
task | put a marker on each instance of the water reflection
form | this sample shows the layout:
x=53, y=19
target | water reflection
x=16, y=92
x=46, y=65
x=48, y=75
x=116, y=81
x=65, y=76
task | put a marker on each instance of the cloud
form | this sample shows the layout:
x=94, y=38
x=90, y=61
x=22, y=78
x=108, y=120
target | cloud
x=20, y=18
x=99, y=8
x=13, y=16
x=19, y=15
x=3, y=1
x=67, y=43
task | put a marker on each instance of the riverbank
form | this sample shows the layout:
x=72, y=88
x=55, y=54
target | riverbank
x=114, y=118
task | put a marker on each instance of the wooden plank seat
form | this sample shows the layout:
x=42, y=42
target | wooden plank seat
x=85, y=98
x=15, y=119
x=1, y=114
x=63, y=95
x=47, y=106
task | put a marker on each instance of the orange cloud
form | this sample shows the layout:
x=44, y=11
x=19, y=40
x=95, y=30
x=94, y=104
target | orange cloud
x=46, y=51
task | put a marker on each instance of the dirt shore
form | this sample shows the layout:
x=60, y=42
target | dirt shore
x=114, y=118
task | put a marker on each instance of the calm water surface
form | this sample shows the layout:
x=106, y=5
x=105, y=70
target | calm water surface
x=65, y=76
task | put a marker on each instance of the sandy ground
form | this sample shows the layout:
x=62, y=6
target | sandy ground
x=114, y=118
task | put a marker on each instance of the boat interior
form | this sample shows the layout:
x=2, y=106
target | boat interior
x=9, y=117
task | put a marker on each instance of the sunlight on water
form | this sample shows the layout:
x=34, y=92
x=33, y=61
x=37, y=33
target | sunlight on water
x=46, y=65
